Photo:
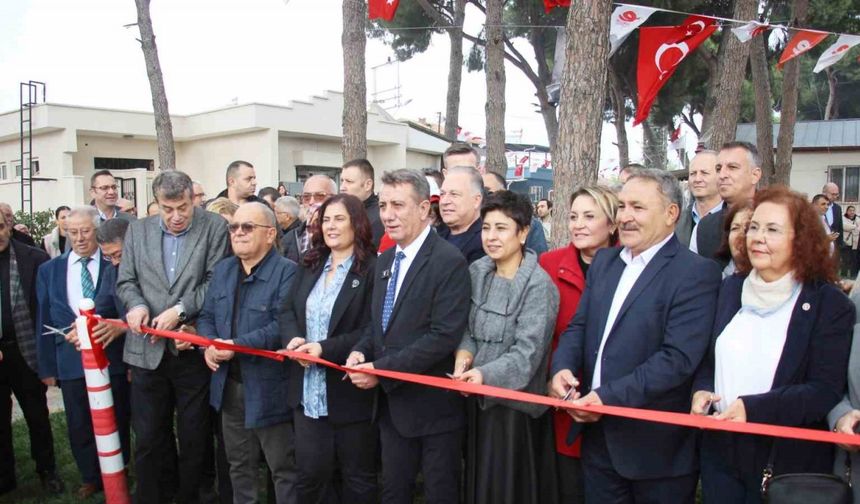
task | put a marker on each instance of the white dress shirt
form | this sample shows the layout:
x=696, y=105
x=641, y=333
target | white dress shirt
x=74, y=289
x=748, y=350
x=635, y=267
x=694, y=247
x=411, y=251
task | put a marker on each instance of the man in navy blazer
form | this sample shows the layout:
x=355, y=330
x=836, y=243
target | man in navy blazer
x=61, y=284
x=641, y=329
x=241, y=306
x=419, y=310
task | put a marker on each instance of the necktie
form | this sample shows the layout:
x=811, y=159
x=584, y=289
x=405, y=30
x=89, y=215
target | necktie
x=87, y=287
x=388, y=305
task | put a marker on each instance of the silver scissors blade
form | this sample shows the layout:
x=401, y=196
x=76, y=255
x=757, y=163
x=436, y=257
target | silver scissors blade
x=54, y=330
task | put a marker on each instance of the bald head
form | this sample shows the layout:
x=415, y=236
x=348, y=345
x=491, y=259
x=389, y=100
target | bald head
x=831, y=191
x=703, y=180
x=317, y=189
x=8, y=214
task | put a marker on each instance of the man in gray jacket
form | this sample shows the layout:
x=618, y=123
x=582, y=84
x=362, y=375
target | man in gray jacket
x=167, y=263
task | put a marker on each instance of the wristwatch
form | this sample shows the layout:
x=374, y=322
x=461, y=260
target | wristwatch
x=183, y=317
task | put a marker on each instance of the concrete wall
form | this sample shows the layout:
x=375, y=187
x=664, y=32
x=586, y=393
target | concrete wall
x=809, y=170
x=206, y=159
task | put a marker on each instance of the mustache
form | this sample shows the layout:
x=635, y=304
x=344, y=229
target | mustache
x=629, y=227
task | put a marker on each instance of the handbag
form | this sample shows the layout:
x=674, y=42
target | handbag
x=806, y=488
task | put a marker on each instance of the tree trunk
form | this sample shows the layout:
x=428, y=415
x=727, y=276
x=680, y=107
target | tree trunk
x=619, y=117
x=763, y=107
x=655, y=146
x=495, y=74
x=731, y=74
x=583, y=91
x=713, y=62
x=455, y=71
x=788, y=115
x=354, y=142
x=832, y=110
x=163, y=126
x=538, y=42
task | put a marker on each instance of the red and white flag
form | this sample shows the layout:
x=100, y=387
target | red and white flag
x=677, y=141
x=750, y=30
x=551, y=4
x=802, y=41
x=661, y=50
x=835, y=52
x=625, y=19
x=384, y=9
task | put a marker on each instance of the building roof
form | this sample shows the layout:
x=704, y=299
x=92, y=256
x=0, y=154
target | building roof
x=814, y=135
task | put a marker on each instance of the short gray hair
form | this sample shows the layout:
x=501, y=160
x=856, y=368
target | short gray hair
x=172, y=185
x=88, y=212
x=288, y=204
x=475, y=179
x=414, y=178
x=112, y=231
x=268, y=214
x=668, y=184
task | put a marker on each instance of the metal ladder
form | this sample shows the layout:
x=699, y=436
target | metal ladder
x=29, y=94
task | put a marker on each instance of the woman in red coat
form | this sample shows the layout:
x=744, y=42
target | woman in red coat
x=591, y=226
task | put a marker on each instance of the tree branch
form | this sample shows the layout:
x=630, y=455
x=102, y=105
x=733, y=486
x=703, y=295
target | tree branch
x=437, y=16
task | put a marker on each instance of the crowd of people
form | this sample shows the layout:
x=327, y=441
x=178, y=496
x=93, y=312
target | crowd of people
x=727, y=303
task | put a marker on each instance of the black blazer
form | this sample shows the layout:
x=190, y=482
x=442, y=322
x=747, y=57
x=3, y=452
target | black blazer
x=425, y=328
x=709, y=235
x=650, y=356
x=350, y=317
x=837, y=225
x=291, y=243
x=809, y=381
x=29, y=259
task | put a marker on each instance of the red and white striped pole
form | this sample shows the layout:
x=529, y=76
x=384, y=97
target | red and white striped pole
x=102, y=411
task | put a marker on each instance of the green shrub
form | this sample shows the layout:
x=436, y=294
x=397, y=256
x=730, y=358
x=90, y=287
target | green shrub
x=40, y=223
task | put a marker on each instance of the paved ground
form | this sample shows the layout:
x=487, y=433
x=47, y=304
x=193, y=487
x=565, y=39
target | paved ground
x=55, y=403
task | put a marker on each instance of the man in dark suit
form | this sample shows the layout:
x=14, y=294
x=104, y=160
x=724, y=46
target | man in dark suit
x=18, y=363
x=739, y=170
x=420, y=308
x=460, y=206
x=62, y=283
x=642, y=327
x=833, y=216
x=357, y=178
x=167, y=261
x=241, y=306
x=705, y=191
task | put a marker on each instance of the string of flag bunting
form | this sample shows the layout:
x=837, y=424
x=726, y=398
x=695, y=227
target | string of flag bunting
x=663, y=48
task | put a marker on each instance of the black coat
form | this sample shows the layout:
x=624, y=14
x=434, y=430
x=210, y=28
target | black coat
x=425, y=328
x=371, y=205
x=471, y=247
x=709, y=235
x=809, y=381
x=291, y=243
x=349, y=319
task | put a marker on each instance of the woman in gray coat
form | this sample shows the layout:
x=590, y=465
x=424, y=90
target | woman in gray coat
x=845, y=417
x=512, y=316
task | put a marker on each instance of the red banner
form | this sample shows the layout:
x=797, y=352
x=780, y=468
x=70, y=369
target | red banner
x=802, y=41
x=384, y=9
x=661, y=50
x=667, y=417
x=551, y=4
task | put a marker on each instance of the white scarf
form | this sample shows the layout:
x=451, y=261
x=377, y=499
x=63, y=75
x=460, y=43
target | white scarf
x=765, y=297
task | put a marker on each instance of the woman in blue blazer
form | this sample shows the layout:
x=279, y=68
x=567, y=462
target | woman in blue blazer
x=780, y=350
x=325, y=314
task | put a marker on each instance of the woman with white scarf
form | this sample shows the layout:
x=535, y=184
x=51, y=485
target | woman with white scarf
x=779, y=355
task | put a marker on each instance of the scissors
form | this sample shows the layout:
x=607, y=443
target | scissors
x=59, y=332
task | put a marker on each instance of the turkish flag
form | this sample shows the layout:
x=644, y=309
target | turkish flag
x=802, y=41
x=661, y=50
x=550, y=4
x=384, y=9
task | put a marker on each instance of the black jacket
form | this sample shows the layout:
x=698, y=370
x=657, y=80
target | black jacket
x=424, y=330
x=371, y=205
x=291, y=243
x=471, y=246
x=709, y=235
x=349, y=319
x=23, y=238
x=251, y=198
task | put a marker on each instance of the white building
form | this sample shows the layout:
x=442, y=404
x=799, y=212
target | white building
x=823, y=151
x=284, y=143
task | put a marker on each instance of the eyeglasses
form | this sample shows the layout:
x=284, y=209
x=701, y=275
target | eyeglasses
x=319, y=197
x=246, y=227
x=106, y=188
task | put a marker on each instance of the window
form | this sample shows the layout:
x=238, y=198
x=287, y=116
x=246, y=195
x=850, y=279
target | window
x=3, y=171
x=35, y=168
x=847, y=178
x=536, y=192
x=17, y=171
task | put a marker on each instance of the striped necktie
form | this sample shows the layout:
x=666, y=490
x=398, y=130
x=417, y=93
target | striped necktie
x=388, y=304
x=87, y=287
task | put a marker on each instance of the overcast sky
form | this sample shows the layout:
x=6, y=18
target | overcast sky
x=213, y=52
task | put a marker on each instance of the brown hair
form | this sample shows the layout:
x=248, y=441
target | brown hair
x=725, y=252
x=363, y=248
x=811, y=257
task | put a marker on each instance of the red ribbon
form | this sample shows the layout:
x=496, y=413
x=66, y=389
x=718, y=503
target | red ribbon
x=666, y=417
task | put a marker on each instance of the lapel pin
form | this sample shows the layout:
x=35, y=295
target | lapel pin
x=806, y=306
x=354, y=284
x=386, y=273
